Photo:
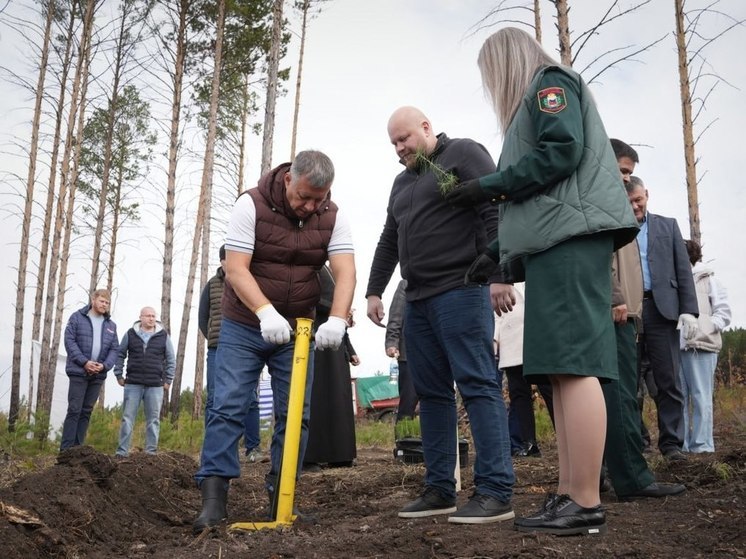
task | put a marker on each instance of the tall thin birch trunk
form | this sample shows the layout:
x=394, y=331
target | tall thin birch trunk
x=106, y=171
x=306, y=5
x=563, y=30
x=15, y=379
x=690, y=159
x=48, y=359
x=274, y=64
x=242, y=144
x=68, y=224
x=41, y=273
x=202, y=225
x=173, y=154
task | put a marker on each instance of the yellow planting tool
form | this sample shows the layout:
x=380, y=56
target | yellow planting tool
x=285, y=486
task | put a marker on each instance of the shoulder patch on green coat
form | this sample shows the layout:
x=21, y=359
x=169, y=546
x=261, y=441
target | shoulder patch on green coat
x=552, y=99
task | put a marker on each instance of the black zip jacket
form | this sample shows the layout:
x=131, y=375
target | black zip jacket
x=433, y=242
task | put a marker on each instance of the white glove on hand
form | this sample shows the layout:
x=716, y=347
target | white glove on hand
x=330, y=334
x=275, y=329
x=688, y=326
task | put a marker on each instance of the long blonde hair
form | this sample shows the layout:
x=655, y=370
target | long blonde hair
x=508, y=61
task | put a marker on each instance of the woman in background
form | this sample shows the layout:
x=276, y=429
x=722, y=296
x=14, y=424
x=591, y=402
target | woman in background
x=699, y=355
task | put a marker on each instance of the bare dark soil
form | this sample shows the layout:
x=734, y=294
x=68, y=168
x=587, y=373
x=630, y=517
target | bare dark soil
x=90, y=505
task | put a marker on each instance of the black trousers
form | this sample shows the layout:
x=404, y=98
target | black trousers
x=81, y=398
x=661, y=344
x=522, y=404
x=407, y=396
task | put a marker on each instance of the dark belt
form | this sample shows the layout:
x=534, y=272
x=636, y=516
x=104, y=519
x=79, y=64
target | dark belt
x=647, y=294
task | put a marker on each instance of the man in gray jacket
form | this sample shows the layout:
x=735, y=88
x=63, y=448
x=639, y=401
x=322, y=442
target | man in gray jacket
x=669, y=305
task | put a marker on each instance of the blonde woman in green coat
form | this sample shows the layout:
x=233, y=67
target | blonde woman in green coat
x=563, y=213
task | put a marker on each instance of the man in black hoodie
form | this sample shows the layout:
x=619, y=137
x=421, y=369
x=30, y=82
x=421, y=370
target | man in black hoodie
x=449, y=325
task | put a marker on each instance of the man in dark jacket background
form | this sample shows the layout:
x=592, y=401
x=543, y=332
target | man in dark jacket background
x=396, y=347
x=209, y=316
x=151, y=364
x=91, y=344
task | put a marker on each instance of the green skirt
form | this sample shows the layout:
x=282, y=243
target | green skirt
x=568, y=327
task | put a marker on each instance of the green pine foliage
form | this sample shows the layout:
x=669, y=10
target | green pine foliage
x=407, y=428
x=446, y=180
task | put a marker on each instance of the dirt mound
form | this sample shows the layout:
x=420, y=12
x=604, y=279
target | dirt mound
x=92, y=505
x=90, y=501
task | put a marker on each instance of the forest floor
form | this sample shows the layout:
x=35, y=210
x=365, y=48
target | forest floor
x=86, y=504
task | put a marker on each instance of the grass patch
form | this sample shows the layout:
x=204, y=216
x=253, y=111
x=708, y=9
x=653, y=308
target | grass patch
x=723, y=471
x=185, y=436
x=374, y=433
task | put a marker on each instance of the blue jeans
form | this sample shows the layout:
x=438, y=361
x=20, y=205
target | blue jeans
x=212, y=353
x=449, y=338
x=251, y=424
x=152, y=398
x=698, y=386
x=82, y=395
x=251, y=438
x=241, y=357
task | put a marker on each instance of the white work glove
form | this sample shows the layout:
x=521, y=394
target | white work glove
x=688, y=326
x=330, y=334
x=275, y=329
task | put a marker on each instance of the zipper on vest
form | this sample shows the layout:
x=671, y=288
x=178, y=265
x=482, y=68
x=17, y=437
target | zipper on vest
x=300, y=224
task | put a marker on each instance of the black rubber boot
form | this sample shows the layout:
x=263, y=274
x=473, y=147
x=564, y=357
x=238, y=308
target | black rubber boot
x=214, y=501
x=271, y=485
x=270, y=482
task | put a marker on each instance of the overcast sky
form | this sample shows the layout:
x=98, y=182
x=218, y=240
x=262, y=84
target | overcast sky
x=365, y=59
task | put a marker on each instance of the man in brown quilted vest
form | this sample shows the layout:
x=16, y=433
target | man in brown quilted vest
x=279, y=236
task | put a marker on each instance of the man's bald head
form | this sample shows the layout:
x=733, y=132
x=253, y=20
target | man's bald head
x=410, y=132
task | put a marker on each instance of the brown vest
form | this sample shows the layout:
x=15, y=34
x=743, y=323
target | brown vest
x=288, y=253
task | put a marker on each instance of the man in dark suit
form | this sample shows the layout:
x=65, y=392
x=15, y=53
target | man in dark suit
x=669, y=305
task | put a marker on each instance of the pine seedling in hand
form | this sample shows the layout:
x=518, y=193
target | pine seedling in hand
x=446, y=180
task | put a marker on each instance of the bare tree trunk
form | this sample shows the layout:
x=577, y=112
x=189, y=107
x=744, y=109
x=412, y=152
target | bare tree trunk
x=199, y=376
x=242, y=145
x=537, y=20
x=199, y=368
x=687, y=124
x=274, y=64
x=563, y=30
x=112, y=258
x=48, y=359
x=116, y=217
x=203, y=212
x=306, y=5
x=106, y=172
x=68, y=224
x=173, y=153
x=15, y=380
x=49, y=206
